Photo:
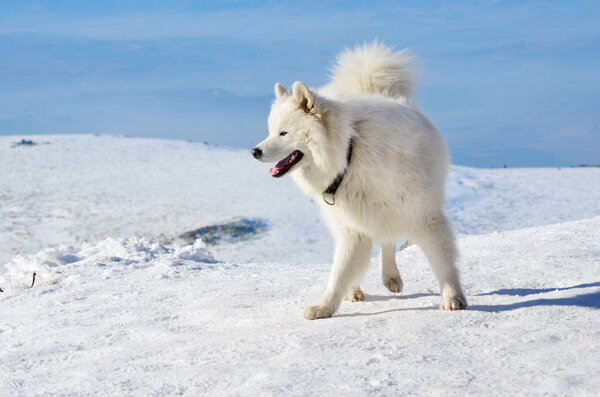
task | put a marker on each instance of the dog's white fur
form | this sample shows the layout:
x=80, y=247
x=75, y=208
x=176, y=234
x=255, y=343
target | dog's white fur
x=394, y=183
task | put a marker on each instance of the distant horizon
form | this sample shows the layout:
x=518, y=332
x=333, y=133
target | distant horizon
x=504, y=82
x=34, y=138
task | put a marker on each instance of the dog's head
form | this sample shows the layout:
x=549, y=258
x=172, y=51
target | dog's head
x=295, y=123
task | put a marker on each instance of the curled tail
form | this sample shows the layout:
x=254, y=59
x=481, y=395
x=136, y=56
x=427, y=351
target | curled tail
x=375, y=68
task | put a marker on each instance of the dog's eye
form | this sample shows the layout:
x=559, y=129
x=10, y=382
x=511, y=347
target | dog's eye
x=282, y=133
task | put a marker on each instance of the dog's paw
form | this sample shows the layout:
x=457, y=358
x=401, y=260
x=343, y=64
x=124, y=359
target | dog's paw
x=355, y=295
x=454, y=303
x=394, y=284
x=317, y=311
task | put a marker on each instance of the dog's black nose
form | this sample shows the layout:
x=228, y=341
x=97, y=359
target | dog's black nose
x=256, y=152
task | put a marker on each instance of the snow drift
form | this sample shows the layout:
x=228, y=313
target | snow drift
x=111, y=255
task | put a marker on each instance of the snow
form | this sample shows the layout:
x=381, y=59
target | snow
x=121, y=307
x=110, y=255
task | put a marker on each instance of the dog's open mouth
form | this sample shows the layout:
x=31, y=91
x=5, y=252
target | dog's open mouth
x=286, y=164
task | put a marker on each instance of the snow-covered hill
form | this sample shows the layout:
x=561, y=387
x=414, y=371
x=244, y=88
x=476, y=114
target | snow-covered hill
x=123, y=308
x=83, y=188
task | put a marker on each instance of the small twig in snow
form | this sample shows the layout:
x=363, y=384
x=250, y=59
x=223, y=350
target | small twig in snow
x=32, y=281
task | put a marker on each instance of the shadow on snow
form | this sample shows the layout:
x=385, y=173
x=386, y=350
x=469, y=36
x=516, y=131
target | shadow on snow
x=589, y=300
x=533, y=291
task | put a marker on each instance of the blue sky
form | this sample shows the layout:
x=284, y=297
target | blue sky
x=506, y=82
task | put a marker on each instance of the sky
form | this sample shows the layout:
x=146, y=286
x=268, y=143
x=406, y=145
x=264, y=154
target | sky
x=506, y=82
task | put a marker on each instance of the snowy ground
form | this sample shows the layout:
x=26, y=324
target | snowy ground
x=122, y=308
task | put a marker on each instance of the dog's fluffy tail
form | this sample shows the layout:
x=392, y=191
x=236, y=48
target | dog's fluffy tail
x=375, y=68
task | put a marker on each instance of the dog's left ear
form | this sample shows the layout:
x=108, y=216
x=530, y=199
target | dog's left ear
x=304, y=97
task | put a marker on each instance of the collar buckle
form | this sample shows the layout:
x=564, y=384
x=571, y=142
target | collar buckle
x=329, y=198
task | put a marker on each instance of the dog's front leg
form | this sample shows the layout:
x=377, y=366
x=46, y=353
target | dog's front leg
x=351, y=259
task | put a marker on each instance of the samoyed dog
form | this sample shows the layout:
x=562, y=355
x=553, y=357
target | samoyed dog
x=375, y=164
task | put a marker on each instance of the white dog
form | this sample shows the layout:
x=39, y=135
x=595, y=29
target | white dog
x=368, y=155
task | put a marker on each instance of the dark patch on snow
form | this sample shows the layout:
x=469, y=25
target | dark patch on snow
x=28, y=142
x=24, y=142
x=238, y=229
x=68, y=258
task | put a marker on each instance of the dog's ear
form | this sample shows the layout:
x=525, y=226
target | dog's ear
x=280, y=91
x=304, y=97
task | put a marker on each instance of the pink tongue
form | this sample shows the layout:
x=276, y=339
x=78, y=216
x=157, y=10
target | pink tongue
x=279, y=166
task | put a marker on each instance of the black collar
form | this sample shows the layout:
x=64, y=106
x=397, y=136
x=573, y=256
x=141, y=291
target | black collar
x=329, y=193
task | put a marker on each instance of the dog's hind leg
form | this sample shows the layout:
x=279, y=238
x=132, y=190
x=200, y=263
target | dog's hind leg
x=389, y=270
x=437, y=242
x=355, y=294
x=351, y=259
